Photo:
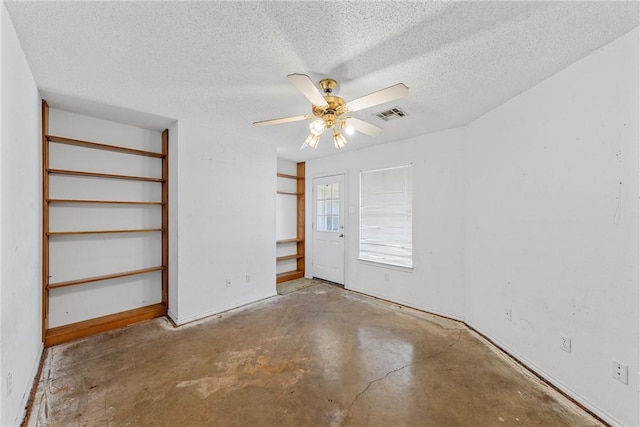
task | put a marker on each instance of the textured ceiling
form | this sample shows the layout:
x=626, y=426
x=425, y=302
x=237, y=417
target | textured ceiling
x=226, y=62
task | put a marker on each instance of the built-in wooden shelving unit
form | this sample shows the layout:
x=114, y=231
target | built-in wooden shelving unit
x=60, y=334
x=299, y=239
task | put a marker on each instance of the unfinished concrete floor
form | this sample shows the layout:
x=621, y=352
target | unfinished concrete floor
x=319, y=356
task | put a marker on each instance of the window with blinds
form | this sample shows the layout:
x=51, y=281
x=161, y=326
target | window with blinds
x=386, y=216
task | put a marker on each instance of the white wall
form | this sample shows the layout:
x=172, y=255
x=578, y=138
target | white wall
x=226, y=228
x=173, y=220
x=437, y=280
x=20, y=229
x=78, y=257
x=553, y=227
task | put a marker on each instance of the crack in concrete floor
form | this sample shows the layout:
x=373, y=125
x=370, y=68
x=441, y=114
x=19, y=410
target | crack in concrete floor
x=403, y=367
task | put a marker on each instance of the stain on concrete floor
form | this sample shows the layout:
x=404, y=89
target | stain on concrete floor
x=318, y=356
x=285, y=288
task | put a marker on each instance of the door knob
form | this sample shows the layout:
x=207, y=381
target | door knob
x=341, y=235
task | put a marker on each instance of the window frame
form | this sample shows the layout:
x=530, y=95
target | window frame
x=386, y=262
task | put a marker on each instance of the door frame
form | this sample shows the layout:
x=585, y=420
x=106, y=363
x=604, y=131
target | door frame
x=311, y=221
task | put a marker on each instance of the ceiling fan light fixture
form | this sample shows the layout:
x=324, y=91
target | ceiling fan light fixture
x=316, y=127
x=348, y=129
x=339, y=140
x=312, y=140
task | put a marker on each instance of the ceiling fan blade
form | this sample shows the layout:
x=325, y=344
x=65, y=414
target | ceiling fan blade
x=308, y=89
x=364, y=127
x=282, y=120
x=379, y=97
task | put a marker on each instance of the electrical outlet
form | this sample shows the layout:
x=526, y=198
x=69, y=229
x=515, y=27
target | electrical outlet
x=507, y=314
x=386, y=277
x=620, y=372
x=228, y=283
x=9, y=384
x=247, y=278
x=565, y=344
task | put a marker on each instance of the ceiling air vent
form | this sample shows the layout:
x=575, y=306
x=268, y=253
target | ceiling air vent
x=391, y=114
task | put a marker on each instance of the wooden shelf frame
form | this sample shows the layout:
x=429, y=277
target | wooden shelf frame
x=299, y=240
x=61, y=334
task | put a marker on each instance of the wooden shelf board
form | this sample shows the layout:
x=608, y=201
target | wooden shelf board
x=289, y=193
x=102, y=175
x=294, y=240
x=286, y=257
x=66, y=333
x=285, y=175
x=106, y=147
x=105, y=202
x=70, y=233
x=105, y=277
x=289, y=275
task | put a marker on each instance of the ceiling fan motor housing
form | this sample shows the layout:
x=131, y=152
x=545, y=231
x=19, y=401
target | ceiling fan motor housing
x=328, y=85
x=329, y=113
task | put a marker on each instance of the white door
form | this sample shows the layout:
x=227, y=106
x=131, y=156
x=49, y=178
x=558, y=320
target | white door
x=328, y=228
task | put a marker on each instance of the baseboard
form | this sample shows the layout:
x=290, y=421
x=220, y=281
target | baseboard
x=184, y=321
x=410, y=305
x=554, y=382
x=29, y=394
x=172, y=317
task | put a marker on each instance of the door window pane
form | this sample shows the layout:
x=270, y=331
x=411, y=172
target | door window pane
x=335, y=190
x=328, y=207
x=335, y=207
x=329, y=226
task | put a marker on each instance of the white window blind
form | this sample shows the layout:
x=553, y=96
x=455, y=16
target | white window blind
x=386, y=216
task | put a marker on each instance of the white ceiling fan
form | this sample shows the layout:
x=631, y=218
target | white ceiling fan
x=332, y=112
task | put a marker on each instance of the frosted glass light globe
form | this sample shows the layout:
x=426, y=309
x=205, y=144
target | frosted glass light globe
x=316, y=127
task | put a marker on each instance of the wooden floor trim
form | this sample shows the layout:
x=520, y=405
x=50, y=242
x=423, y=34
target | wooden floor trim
x=71, y=332
x=289, y=275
